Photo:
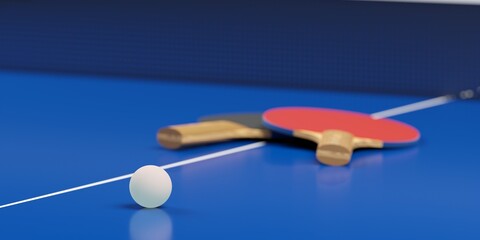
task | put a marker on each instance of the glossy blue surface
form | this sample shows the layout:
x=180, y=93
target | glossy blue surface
x=60, y=131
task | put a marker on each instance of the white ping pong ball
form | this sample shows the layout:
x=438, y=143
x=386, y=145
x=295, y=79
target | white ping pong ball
x=150, y=186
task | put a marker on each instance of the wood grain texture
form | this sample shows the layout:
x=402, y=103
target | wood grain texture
x=335, y=147
x=178, y=136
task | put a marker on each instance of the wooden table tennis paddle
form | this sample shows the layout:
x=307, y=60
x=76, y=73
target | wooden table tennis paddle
x=339, y=132
x=214, y=128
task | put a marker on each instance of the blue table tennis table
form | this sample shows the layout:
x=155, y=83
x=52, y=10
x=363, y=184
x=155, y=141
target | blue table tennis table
x=59, y=131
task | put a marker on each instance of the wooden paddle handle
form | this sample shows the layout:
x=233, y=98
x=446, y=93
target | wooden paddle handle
x=177, y=136
x=335, y=147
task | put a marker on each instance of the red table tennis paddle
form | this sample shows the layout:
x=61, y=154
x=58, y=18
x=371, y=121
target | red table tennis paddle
x=339, y=132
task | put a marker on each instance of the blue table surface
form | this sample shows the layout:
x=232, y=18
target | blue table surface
x=60, y=131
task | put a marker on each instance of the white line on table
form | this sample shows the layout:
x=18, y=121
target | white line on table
x=172, y=165
x=378, y=115
x=413, y=107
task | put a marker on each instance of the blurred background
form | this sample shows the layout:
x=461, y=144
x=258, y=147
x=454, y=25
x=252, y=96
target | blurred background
x=387, y=47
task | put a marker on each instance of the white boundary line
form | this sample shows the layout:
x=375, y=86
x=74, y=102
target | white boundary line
x=378, y=115
x=69, y=190
x=413, y=107
x=172, y=165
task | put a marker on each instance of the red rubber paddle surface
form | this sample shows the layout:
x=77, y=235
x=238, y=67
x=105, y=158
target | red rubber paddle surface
x=358, y=124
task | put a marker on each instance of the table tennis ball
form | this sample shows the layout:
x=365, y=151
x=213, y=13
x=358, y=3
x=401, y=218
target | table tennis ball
x=150, y=186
